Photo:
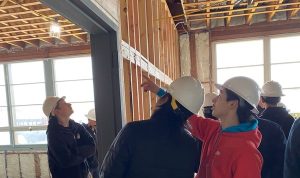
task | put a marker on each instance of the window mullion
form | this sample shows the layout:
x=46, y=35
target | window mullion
x=267, y=59
x=7, y=75
x=49, y=77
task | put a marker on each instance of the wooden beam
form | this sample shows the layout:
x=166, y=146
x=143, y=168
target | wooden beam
x=23, y=12
x=24, y=4
x=240, y=15
x=218, y=4
x=29, y=19
x=35, y=43
x=193, y=14
x=41, y=36
x=43, y=29
x=3, y=3
x=229, y=14
x=255, y=30
x=65, y=39
x=293, y=13
x=19, y=44
x=48, y=40
x=5, y=46
x=82, y=37
x=208, y=21
x=251, y=12
x=33, y=24
x=272, y=9
x=30, y=54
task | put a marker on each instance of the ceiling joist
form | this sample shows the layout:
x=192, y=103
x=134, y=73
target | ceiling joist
x=26, y=23
x=201, y=12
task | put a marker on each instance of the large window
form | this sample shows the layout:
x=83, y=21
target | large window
x=243, y=58
x=285, y=65
x=265, y=59
x=75, y=81
x=25, y=85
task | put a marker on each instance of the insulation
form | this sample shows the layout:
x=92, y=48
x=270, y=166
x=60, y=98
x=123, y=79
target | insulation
x=2, y=165
x=13, y=166
x=27, y=165
x=44, y=167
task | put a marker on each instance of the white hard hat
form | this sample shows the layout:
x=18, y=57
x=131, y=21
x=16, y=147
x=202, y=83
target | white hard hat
x=208, y=97
x=244, y=87
x=50, y=103
x=188, y=92
x=91, y=115
x=272, y=89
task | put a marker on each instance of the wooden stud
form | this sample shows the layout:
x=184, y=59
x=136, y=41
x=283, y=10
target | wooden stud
x=151, y=51
x=228, y=19
x=251, y=12
x=293, y=13
x=124, y=20
x=136, y=110
x=128, y=93
x=193, y=55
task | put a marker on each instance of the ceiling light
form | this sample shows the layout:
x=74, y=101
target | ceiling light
x=55, y=29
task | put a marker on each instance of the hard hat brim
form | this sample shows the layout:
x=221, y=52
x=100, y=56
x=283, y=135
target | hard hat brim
x=266, y=95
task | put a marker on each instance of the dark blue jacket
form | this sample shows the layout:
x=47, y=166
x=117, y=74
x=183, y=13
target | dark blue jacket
x=68, y=148
x=292, y=153
x=272, y=148
x=280, y=116
x=92, y=161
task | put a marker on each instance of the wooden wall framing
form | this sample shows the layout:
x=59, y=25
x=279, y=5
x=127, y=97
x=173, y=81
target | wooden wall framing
x=149, y=31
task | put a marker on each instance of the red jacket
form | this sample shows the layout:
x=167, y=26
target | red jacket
x=229, y=153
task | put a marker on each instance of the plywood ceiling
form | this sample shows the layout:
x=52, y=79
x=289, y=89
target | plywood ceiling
x=25, y=24
x=206, y=14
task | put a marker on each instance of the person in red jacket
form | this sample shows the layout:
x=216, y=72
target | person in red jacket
x=229, y=145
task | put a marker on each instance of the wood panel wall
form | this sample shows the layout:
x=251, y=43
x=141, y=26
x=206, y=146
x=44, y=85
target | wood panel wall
x=148, y=28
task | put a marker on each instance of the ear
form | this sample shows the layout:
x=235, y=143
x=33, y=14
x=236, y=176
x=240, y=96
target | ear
x=234, y=104
x=53, y=112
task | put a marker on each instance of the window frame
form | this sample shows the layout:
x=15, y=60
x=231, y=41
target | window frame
x=50, y=90
x=266, y=55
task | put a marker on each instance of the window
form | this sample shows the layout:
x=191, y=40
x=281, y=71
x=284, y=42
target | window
x=265, y=59
x=75, y=81
x=24, y=87
x=3, y=101
x=285, y=64
x=232, y=61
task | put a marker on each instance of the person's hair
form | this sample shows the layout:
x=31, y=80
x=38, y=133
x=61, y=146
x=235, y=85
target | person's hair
x=164, y=105
x=244, y=108
x=207, y=112
x=271, y=100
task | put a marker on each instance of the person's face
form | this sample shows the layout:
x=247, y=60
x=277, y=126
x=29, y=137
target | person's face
x=63, y=109
x=261, y=103
x=220, y=105
x=92, y=122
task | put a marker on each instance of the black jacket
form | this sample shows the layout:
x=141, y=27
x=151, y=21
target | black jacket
x=292, y=153
x=155, y=148
x=280, y=116
x=92, y=161
x=272, y=148
x=68, y=148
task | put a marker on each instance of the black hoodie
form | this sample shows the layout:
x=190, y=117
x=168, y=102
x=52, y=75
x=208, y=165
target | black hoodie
x=280, y=116
x=155, y=148
x=68, y=148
